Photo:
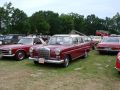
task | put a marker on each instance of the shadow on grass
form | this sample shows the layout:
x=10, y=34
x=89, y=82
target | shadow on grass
x=107, y=53
x=51, y=66
x=7, y=59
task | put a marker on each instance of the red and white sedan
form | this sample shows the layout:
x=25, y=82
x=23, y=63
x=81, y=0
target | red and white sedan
x=61, y=49
x=109, y=44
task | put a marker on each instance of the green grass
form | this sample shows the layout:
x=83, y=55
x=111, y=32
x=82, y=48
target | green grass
x=95, y=72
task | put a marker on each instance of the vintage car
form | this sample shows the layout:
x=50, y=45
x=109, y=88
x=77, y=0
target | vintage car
x=96, y=39
x=109, y=44
x=117, y=64
x=12, y=38
x=21, y=49
x=61, y=49
x=89, y=40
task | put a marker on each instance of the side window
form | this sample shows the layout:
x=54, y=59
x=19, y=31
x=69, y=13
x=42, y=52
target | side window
x=37, y=41
x=89, y=39
x=75, y=40
x=86, y=39
x=80, y=40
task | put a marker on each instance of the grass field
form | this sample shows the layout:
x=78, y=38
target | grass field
x=96, y=72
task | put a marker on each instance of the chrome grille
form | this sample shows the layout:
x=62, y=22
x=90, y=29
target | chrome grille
x=4, y=51
x=44, y=53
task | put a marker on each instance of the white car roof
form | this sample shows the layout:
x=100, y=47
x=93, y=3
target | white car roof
x=70, y=35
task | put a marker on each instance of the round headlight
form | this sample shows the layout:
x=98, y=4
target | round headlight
x=10, y=51
x=119, y=59
x=31, y=50
x=57, y=51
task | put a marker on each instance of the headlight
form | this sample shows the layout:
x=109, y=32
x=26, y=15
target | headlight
x=31, y=50
x=57, y=51
x=10, y=51
x=119, y=59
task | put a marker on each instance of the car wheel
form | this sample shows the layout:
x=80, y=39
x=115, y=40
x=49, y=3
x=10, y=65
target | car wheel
x=20, y=55
x=36, y=62
x=66, y=61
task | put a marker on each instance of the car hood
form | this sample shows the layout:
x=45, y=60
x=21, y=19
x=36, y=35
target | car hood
x=51, y=47
x=108, y=45
x=14, y=46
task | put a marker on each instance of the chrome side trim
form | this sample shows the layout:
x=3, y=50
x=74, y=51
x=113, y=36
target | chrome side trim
x=9, y=55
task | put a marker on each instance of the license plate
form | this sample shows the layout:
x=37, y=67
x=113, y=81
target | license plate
x=41, y=60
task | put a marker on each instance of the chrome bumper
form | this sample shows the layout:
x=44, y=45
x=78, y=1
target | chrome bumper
x=48, y=61
x=12, y=55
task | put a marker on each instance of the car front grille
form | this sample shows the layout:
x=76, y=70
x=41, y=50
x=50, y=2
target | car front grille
x=5, y=52
x=44, y=53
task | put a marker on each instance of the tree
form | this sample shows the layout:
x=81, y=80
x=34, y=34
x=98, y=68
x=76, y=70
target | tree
x=2, y=14
x=67, y=23
x=19, y=22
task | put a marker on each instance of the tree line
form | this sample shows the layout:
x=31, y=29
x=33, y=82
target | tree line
x=14, y=20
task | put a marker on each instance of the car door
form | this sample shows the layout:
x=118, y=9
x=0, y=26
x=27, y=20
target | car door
x=76, y=48
x=81, y=47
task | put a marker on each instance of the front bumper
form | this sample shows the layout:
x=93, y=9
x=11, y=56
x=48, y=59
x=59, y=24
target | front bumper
x=48, y=61
x=11, y=55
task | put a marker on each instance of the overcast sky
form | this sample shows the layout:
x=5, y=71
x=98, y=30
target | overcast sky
x=100, y=8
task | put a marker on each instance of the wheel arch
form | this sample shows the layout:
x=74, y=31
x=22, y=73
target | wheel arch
x=22, y=51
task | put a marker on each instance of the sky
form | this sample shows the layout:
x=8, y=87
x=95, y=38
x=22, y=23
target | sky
x=101, y=8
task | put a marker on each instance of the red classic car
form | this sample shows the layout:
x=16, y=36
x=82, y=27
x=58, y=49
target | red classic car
x=21, y=49
x=117, y=64
x=61, y=49
x=109, y=44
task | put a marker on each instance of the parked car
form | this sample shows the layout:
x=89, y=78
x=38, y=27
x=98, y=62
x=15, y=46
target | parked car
x=12, y=38
x=117, y=64
x=96, y=39
x=89, y=40
x=61, y=49
x=2, y=37
x=21, y=49
x=109, y=44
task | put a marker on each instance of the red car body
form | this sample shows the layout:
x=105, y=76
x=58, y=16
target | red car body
x=60, y=52
x=20, y=50
x=109, y=44
x=117, y=64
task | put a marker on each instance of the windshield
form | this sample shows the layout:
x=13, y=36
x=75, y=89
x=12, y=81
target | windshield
x=27, y=41
x=8, y=37
x=110, y=40
x=60, y=40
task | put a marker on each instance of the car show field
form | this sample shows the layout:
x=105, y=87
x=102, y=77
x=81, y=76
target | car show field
x=96, y=72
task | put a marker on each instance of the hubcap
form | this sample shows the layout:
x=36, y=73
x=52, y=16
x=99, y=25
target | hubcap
x=20, y=55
